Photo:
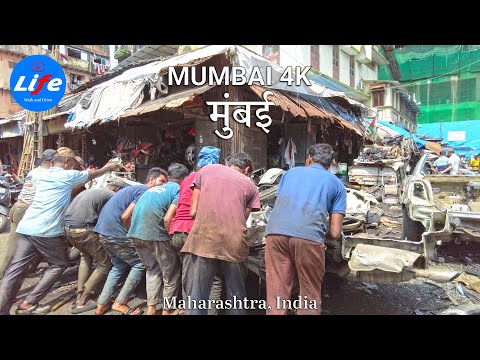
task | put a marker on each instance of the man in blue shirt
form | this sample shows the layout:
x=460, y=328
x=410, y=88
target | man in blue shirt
x=310, y=207
x=112, y=226
x=40, y=232
x=149, y=231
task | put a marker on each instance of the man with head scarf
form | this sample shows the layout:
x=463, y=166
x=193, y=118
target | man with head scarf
x=183, y=222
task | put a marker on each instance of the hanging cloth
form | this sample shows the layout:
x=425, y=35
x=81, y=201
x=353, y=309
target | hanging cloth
x=290, y=152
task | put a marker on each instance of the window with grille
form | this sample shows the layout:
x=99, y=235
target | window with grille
x=352, y=71
x=336, y=61
x=378, y=98
x=11, y=64
x=74, y=53
x=315, y=57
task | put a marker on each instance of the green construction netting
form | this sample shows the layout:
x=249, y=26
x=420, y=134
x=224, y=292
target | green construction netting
x=443, y=79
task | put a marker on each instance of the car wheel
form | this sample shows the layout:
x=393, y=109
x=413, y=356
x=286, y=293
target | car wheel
x=412, y=230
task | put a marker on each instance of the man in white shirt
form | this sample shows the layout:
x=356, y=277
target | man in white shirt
x=40, y=232
x=453, y=163
x=25, y=199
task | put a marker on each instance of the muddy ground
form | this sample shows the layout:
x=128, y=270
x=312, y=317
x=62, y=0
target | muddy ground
x=341, y=296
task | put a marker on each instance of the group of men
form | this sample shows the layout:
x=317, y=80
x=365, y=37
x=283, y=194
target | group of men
x=450, y=163
x=186, y=232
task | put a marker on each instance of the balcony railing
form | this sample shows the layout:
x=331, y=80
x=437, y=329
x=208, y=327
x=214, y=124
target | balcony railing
x=25, y=49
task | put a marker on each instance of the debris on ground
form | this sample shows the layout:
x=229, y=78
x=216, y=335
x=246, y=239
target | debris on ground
x=365, y=290
x=470, y=281
x=468, y=309
x=371, y=286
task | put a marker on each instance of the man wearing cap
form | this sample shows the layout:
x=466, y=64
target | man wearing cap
x=80, y=219
x=25, y=199
x=40, y=232
x=80, y=166
x=182, y=223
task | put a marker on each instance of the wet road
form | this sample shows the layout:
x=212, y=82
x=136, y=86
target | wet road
x=341, y=296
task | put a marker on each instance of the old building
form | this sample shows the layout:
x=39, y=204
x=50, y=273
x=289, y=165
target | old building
x=81, y=63
x=339, y=67
x=390, y=101
x=445, y=79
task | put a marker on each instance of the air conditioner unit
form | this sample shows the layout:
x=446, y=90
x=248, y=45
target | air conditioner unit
x=360, y=85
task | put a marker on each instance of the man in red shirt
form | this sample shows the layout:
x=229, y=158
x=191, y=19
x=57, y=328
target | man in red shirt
x=183, y=222
x=222, y=199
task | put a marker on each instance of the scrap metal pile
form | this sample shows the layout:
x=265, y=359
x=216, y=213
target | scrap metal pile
x=365, y=216
x=377, y=153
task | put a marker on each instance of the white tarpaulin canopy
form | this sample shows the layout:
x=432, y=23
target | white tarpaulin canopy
x=109, y=100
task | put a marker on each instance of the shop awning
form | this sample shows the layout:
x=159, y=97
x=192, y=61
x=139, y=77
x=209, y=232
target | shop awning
x=121, y=96
x=298, y=106
x=12, y=129
x=21, y=115
x=171, y=101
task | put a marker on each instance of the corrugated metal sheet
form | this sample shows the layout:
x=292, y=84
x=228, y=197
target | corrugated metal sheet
x=280, y=100
x=311, y=109
x=304, y=108
x=171, y=101
x=64, y=107
x=56, y=115
x=378, y=86
x=21, y=115
x=13, y=129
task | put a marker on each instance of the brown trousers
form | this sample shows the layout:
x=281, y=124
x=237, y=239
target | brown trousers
x=92, y=251
x=284, y=255
x=16, y=215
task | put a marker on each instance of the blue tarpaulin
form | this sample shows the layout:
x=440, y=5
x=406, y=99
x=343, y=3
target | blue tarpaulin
x=469, y=129
x=420, y=142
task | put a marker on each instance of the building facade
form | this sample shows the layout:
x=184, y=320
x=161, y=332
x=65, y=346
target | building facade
x=390, y=101
x=80, y=63
x=444, y=79
x=344, y=65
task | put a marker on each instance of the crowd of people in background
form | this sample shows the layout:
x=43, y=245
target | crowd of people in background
x=449, y=163
x=186, y=232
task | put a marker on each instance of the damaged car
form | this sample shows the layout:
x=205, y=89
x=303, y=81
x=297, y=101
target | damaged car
x=435, y=210
x=385, y=243
x=439, y=209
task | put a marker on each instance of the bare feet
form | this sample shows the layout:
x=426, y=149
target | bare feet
x=152, y=310
x=25, y=305
x=102, y=309
x=124, y=309
x=170, y=312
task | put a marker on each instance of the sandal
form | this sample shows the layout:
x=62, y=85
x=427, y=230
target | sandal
x=34, y=310
x=175, y=312
x=132, y=310
x=107, y=309
x=90, y=305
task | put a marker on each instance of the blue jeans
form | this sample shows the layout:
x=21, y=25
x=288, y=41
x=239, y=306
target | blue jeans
x=204, y=270
x=123, y=254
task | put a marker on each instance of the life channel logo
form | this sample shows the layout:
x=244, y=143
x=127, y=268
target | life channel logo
x=38, y=83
